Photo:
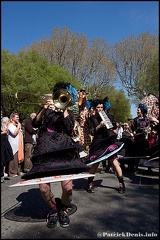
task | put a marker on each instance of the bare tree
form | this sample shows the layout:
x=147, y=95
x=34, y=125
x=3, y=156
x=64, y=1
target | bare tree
x=89, y=63
x=95, y=63
x=97, y=68
x=129, y=57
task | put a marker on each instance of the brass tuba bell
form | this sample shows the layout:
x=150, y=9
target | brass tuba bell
x=62, y=98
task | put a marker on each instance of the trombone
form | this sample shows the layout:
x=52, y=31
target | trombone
x=61, y=99
x=20, y=97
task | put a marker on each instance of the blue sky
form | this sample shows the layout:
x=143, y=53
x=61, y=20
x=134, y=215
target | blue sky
x=23, y=22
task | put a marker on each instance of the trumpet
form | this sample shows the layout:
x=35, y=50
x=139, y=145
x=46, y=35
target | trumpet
x=62, y=99
x=21, y=96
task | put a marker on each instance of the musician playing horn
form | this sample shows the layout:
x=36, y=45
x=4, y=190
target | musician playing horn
x=56, y=153
x=104, y=142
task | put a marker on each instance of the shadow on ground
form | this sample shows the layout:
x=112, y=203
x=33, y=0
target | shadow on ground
x=31, y=208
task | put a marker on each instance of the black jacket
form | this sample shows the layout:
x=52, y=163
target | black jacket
x=29, y=131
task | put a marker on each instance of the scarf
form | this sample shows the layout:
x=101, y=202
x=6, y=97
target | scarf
x=20, y=148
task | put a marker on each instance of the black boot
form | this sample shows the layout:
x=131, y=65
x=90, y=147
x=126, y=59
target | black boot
x=52, y=218
x=90, y=185
x=121, y=186
x=63, y=217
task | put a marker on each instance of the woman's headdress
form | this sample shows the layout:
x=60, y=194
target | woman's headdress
x=93, y=103
x=107, y=104
x=89, y=104
x=96, y=102
x=73, y=92
x=143, y=108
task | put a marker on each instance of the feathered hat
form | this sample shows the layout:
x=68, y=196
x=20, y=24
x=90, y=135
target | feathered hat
x=93, y=103
x=144, y=108
x=107, y=104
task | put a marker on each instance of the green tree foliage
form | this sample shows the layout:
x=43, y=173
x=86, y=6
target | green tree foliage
x=148, y=80
x=120, y=105
x=28, y=72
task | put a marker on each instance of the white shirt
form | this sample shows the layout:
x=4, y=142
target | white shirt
x=119, y=133
x=14, y=140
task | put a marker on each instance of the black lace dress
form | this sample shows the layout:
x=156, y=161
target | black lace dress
x=55, y=153
x=104, y=140
x=140, y=145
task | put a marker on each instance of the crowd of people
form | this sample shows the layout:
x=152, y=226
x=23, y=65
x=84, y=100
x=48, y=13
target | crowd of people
x=53, y=142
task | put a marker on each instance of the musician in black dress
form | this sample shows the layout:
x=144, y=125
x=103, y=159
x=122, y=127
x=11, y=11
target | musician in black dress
x=104, y=142
x=56, y=153
x=140, y=126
